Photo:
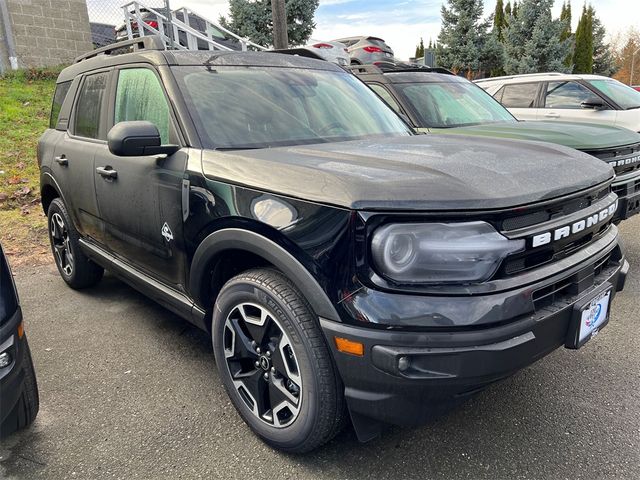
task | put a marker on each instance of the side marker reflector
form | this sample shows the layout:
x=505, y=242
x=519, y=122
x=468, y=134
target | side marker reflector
x=21, y=330
x=345, y=345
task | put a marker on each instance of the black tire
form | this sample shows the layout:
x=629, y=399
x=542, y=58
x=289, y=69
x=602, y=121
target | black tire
x=76, y=269
x=321, y=410
x=28, y=404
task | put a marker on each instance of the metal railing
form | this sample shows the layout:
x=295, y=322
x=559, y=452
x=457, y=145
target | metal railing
x=178, y=33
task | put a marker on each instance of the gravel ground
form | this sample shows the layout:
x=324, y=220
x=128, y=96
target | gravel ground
x=129, y=390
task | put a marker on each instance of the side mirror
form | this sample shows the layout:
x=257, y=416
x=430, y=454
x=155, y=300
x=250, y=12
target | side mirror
x=137, y=139
x=594, y=103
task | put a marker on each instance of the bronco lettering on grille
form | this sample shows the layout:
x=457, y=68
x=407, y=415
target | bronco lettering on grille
x=576, y=227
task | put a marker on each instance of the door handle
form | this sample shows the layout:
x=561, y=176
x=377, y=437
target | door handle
x=107, y=173
x=62, y=161
x=551, y=115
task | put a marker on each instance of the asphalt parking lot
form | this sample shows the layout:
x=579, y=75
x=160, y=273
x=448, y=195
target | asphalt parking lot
x=129, y=390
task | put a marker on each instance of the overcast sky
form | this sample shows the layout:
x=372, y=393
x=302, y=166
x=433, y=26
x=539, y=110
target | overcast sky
x=400, y=23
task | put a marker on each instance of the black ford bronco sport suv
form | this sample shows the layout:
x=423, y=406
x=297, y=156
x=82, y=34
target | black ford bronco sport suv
x=345, y=267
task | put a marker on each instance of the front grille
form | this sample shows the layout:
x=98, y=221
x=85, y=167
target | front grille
x=626, y=189
x=557, y=210
x=564, y=232
x=578, y=283
x=622, y=159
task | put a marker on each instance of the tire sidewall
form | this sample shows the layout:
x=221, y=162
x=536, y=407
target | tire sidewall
x=302, y=427
x=58, y=207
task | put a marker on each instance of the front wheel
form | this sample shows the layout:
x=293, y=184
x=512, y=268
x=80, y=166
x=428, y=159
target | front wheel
x=274, y=362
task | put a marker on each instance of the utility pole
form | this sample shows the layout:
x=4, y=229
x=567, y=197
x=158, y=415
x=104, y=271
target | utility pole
x=280, y=35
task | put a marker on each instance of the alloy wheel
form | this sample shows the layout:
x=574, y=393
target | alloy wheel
x=61, y=243
x=263, y=364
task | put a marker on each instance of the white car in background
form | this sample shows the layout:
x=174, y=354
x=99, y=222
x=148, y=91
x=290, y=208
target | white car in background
x=567, y=98
x=335, y=52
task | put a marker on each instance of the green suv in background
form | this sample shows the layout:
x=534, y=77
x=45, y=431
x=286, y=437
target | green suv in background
x=436, y=101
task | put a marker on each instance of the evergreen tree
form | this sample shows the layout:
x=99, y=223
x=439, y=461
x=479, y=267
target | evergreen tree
x=583, y=51
x=566, y=35
x=430, y=44
x=420, y=49
x=507, y=11
x=253, y=19
x=499, y=20
x=532, y=40
x=462, y=35
x=514, y=12
x=603, y=58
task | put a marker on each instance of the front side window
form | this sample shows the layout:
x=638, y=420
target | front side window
x=244, y=107
x=625, y=96
x=139, y=96
x=518, y=95
x=449, y=104
x=386, y=96
x=89, y=106
x=58, y=99
x=566, y=95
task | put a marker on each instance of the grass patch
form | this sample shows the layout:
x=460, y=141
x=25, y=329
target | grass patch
x=24, y=115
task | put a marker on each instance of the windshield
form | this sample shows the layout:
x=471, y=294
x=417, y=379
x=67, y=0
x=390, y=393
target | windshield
x=447, y=105
x=244, y=107
x=623, y=95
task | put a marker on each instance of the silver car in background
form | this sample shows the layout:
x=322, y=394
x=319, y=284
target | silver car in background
x=366, y=50
x=330, y=51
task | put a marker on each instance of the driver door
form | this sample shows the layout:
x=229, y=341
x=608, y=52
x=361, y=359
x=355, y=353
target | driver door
x=140, y=198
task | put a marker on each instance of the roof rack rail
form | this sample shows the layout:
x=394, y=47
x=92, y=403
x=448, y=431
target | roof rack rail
x=149, y=42
x=521, y=75
x=364, y=69
x=302, y=52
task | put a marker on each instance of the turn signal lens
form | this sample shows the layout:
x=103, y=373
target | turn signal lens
x=345, y=345
x=21, y=330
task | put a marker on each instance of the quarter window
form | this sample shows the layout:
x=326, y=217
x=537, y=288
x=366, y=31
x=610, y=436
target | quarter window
x=58, y=99
x=89, y=107
x=518, y=95
x=566, y=95
x=140, y=97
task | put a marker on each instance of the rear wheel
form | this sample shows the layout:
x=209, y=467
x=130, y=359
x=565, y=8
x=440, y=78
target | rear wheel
x=274, y=362
x=74, y=266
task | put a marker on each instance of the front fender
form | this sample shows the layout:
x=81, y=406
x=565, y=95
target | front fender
x=239, y=239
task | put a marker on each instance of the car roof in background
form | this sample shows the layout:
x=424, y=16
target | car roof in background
x=532, y=77
x=406, y=74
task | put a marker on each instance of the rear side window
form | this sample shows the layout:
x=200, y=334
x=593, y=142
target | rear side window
x=140, y=97
x=89, y=106
x=566, y=95
x=58, y=99
x=518, y=95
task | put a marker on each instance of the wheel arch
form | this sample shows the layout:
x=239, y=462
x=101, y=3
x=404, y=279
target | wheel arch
x=49, y=190
x=262, y=251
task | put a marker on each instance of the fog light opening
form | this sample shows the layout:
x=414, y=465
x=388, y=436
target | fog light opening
x=403, y=364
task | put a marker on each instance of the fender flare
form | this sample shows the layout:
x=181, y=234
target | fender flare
x=239, y=239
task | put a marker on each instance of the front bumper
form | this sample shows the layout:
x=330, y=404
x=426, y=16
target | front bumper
x=627, y=187
x=443, y=366
x=12, y=376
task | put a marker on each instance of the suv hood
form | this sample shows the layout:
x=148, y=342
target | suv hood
x=413, y=173
x=582, y=136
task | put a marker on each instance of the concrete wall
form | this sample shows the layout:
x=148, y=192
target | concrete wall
x=49, y=32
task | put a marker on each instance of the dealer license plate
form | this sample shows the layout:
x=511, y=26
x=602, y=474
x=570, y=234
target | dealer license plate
x=589, y=319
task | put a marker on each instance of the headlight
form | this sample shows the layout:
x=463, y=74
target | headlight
x=440, y=252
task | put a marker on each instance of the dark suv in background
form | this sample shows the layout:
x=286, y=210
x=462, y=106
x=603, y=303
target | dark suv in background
x=340, y=262
x=436, y=101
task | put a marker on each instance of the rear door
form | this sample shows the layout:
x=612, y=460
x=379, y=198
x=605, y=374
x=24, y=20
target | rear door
x=140, y=202
x=562, y=101
x=521, y=99
x=74, y=153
